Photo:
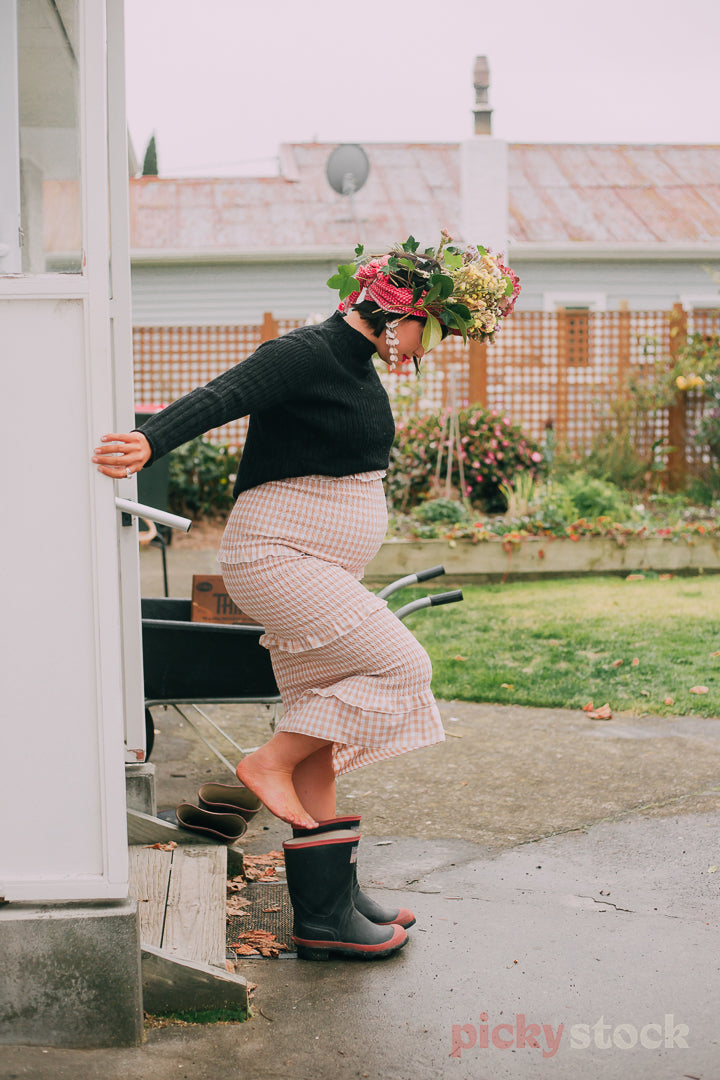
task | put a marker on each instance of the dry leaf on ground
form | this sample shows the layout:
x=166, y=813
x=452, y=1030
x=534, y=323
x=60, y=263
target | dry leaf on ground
x=668, y=701
x=699, y=690
x=617, y=663
x=603, y=713
x=169, y=846
x=635, y=661
x=589, y=707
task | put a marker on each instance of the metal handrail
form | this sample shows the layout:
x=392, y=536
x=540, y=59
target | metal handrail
x=161, y=517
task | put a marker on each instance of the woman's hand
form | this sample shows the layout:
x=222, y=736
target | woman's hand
x=122, y=455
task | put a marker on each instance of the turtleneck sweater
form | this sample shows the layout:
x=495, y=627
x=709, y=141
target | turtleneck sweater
x=315, y=401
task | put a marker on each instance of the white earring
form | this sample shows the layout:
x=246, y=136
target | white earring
x=392, y=344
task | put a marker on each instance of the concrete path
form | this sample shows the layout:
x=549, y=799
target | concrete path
x=565, y=874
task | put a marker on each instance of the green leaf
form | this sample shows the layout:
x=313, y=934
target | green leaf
x=461, y=309
x=432, y=333
x=411, y=244
x=508, y=286
x=406, y=262
x=349, y=285
x=481, y=250
x=432, y=295
x=453, y=261
x=447, y=285
x=336, y=281
x=359, y=250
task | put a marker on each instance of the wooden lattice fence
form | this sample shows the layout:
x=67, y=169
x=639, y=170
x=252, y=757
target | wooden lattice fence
x=561, y=370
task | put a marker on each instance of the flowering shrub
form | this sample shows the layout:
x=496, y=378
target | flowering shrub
x=493, y=452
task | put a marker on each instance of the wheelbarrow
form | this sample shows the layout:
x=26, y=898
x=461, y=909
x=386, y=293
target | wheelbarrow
x=218, y=664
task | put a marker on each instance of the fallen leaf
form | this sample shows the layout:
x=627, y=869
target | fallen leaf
x=169, y=846
x=617, y=663
x=589, y=707
x=715, y=653
x=645, y=693
x=507, y=686
x=635, y=662
x=453, y=734
x=668, y=701
x=699, y=690
x=460, y=659
x=603, y=713
x=635, y=577
x=666, y=577
x=463, y=783
x=268, y=910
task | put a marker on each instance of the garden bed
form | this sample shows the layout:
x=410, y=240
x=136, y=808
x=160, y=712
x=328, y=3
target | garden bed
x=492, y=560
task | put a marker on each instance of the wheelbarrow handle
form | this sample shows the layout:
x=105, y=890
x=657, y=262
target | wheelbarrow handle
x=410, y=579
x=453, y=597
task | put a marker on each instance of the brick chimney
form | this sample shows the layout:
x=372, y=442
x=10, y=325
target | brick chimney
x=482, y=110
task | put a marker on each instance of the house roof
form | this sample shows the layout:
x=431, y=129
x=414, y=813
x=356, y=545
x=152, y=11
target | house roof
x=411, y=188
x=631, y=194
x=564, y=197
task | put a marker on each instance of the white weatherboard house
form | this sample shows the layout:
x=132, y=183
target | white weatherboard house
x=594, y=226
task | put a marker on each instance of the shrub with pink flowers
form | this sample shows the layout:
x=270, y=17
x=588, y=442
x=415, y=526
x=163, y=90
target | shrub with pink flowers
x=493, y=451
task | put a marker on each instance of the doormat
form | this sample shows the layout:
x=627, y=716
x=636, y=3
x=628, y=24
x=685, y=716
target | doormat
x=264, y=925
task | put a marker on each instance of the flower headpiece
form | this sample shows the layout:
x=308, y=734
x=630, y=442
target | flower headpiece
x=467, y=290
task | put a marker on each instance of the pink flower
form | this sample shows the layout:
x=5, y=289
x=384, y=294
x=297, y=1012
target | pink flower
x=476, y=464
x=535, y=456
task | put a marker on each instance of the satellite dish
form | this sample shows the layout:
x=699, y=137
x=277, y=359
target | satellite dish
x=347, y=168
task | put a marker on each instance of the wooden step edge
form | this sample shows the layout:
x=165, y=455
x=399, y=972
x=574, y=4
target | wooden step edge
x=171, y=985
x=145, y=829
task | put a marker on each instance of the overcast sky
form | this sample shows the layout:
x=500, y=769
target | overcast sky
x=222, y=83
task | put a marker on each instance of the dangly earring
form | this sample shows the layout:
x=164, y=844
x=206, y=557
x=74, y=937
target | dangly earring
x=392, y=343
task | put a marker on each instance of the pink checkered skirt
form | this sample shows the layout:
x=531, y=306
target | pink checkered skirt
x=348, y=670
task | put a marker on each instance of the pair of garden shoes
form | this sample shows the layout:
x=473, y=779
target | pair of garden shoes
x=222, y=813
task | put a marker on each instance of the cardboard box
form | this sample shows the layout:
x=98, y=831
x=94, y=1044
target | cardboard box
x=212, y=604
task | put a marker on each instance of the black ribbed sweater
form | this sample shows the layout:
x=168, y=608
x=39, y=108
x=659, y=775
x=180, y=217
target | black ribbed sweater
x=315, y=401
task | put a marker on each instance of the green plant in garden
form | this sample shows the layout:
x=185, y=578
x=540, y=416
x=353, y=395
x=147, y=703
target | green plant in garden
x=200, y=479
x=490, y=451
x=581, y=495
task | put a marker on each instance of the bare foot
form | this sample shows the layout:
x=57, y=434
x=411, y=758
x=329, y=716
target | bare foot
x=275, y=788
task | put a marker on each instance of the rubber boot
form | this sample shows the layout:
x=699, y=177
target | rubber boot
x=319, y=873
x=367, y=907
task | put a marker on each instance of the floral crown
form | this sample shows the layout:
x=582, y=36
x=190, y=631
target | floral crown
x=468, y=292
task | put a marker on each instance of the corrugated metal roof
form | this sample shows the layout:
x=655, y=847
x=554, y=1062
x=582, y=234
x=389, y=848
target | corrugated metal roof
x=620, y=194
x=558, y=194
x=411, y=188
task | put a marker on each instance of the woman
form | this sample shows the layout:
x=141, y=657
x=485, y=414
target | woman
x=310, y=514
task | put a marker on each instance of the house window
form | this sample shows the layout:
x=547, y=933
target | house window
x=574, y=327
x=40, y=191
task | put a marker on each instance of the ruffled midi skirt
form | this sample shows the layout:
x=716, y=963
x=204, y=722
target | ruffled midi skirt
x=348, y=670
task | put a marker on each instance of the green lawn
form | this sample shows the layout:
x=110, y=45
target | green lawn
x=554, y=643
